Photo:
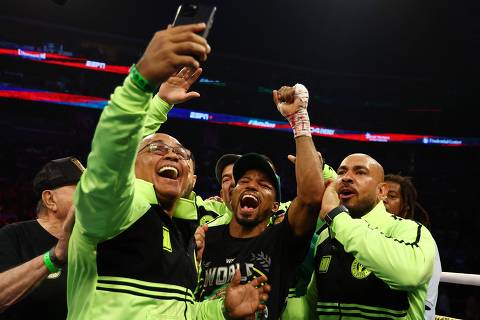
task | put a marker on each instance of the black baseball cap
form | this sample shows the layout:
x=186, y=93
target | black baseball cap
x=224, y=161
x=57, y=173
x=261, y=162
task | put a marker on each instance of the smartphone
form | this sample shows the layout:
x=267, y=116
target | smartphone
x=195, y=13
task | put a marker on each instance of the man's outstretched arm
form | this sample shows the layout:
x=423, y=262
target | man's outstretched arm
x=105, y=192
x=173, y=91
x=303, y=212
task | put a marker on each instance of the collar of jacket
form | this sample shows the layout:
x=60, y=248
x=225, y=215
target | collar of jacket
x=185, y=208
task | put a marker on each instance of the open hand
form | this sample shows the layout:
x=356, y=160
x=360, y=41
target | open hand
x=244, y=300
x=293, y=158
x=175, y=89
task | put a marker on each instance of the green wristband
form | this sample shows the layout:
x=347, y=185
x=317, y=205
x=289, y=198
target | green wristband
x=140, y=81
x=49, y=264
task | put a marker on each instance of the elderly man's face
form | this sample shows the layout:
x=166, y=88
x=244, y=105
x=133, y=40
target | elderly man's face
x=164, y=162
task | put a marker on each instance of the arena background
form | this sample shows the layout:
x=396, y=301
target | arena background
x=372, y=66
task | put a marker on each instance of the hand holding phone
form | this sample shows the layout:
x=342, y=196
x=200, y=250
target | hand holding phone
x=170, y=50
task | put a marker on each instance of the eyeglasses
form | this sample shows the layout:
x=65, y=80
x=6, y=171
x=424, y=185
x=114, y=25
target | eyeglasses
x=162, y=149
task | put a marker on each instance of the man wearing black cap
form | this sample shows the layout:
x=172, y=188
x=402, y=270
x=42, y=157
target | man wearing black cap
x=33, y=252
x=224, y=175
x=248, y=242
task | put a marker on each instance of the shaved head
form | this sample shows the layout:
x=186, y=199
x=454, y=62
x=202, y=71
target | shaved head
x=360, y=183
x=375, y=168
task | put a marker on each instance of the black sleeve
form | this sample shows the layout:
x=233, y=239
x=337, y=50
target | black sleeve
x=9, y=256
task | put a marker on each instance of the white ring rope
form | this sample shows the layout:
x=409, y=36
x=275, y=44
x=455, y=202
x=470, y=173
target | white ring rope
x=461, y=278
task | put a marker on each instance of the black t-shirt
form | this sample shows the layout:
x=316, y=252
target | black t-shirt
x=19, y=243
x=276, y=253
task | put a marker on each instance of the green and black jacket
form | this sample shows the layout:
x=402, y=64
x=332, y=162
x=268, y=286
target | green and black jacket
x=127, y=258
x=376, y=267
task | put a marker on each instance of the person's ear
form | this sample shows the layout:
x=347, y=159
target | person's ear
x=382, y=191
x=194, y=179
x=48, y=199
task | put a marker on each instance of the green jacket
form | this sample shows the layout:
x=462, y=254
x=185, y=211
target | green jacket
x=297, y=307
x=112, y=210
x=384, y=263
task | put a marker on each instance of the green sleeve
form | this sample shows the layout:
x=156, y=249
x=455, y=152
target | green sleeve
x=404, y=259
x=329, y=173
x=311, y=297
x=312, y=293
x=208, y=309
x=296, y=309
x=104, y=195
x=156, y=115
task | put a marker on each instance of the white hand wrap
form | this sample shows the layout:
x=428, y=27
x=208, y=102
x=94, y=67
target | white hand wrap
x=299, y=121
x=302, y=93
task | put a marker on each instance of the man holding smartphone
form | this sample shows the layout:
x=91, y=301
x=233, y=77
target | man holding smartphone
x=128, y=257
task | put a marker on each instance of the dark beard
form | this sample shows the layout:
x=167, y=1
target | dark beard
x=361, y=210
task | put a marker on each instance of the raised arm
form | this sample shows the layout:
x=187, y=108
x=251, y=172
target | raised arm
x=105, y=192
x=171, y=92
x=303, y=212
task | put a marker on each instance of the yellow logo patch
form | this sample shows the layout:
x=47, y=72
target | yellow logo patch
x=324, y=264
x=167, y=245
x=359, y=271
